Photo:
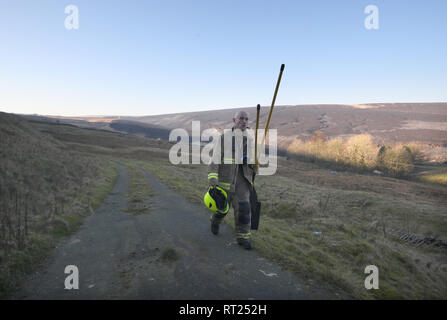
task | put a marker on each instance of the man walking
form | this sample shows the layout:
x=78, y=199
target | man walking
x=232, y=171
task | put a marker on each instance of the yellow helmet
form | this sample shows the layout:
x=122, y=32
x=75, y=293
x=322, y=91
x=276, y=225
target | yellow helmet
x=216, y=200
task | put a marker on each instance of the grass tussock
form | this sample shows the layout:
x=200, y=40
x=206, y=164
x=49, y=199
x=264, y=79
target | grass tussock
x=169, y=255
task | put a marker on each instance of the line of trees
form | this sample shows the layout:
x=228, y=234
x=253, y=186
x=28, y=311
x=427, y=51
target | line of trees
x=359, y=152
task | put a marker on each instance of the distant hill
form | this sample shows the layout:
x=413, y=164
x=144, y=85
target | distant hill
x=404, y=122
x=388, y=122
x=139, y=128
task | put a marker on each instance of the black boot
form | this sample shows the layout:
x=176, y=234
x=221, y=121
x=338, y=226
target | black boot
x=245, y=243
x=215, y=227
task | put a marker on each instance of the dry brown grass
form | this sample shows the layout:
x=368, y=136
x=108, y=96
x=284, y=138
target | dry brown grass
x=45, y=191
x=358, y=152
x=353, y=213
x=139, y=192
x=314, y=174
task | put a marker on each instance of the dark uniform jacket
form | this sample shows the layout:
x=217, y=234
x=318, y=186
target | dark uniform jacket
x=240, y=158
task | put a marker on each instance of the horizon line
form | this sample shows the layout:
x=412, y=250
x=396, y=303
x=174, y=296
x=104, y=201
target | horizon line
x=374, y=104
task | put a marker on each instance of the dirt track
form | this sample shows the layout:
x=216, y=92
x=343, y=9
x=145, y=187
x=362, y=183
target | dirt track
x=120, y=256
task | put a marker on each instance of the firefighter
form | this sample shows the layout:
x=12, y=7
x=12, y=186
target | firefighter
x=235, y=177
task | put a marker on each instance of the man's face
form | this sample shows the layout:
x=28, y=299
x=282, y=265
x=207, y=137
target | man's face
x=241, y=120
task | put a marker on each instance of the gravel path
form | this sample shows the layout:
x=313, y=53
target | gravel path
x=168, y=253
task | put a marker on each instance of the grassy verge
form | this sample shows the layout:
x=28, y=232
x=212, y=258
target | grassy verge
x=188, y=180
x=352, y=233
x=437, y=175
x=139, y=191
x=43, y=237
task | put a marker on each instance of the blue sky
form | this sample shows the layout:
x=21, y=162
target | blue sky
x=154, y=57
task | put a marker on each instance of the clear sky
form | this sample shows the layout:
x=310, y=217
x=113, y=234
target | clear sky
x=153, y=57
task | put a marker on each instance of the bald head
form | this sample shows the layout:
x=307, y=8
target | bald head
x=240, y=120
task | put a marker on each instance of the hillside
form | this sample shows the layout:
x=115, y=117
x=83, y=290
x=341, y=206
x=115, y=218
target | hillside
x=425, y=122
x=46, y=188
x=387, y=123
x=398, y=225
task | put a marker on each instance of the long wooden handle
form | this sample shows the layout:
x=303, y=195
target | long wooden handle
x=271, y=108
x=258, y=109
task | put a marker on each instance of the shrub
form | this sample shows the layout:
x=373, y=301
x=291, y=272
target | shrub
x=336, y=151
x=358, y=151
x=397, y=160
x=361, y=151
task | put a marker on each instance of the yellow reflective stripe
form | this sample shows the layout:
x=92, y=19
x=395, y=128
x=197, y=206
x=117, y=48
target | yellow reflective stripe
x=224, y=185
x=244, y=235
x=213, y=175
x=228, y=160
